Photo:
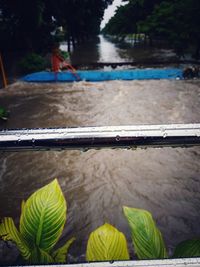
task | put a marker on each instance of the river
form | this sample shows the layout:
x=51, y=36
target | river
x=97, y=183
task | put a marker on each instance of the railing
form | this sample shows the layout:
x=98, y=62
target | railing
x=143, y=63
x=192, y=262
x=129, y=137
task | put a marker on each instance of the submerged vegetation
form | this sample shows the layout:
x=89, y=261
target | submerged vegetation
x=42, y=220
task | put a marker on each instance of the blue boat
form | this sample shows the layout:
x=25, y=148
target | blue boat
x=97, y=75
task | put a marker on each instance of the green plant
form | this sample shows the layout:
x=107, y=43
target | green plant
x=41, y=224
x=32, y=63
x=107, y=243
x=148, y=241
x=3, y=114
x=64, y=54
x=42, y=221
x=188, y=248
x=146, y=237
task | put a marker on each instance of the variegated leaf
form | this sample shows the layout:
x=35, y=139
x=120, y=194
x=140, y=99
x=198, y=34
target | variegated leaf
x=43, y=217
x=147, y=239
x=8, y=231
x=107, y=243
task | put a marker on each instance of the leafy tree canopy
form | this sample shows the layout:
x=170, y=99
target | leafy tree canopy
x=30, y=24
x=175, y=21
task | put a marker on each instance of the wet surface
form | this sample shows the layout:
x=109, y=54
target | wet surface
x=97, y=183
x=103, y=50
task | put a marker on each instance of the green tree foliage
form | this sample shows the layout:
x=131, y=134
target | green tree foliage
x=30, y=24
x=23, y=24
x=174, y=21
x=126, y=17
x=32, y=63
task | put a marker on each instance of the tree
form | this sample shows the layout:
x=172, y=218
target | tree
x=173, y=21
x=176, y=22
x=30, y=24
x=126, y=17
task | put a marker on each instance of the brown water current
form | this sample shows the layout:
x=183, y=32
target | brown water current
x=97, y=183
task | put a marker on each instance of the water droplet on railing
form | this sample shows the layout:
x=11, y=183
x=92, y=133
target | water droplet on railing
x=117, y=138
x=164, y=135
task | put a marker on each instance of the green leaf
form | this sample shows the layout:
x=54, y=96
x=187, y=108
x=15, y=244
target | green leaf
x=8, y=231
x=43, y=217
x=188, y=248
x=3, y=113
x=22, y=208
x=107, y=243
x=60, y=254
x=146, y=237
x=39, y=256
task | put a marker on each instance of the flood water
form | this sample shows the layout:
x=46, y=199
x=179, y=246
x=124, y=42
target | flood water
x=97, y=183
x=101, y=49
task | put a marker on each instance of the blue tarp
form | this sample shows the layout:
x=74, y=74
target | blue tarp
x=95, y=75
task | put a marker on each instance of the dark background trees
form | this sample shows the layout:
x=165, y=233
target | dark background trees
x=31, y=25
x=127, y=17
x=174, y=21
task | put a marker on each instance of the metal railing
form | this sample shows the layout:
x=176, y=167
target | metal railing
x=192, y=262
x=130, y=137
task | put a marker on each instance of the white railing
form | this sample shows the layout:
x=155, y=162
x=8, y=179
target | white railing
x=191, y=262
x=100, y=137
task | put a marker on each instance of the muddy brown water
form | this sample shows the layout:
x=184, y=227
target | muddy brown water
x=97, y=183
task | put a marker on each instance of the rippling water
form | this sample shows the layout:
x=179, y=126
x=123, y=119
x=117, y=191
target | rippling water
x=97, y=183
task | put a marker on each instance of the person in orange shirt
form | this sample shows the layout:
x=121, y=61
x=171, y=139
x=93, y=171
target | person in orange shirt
x=58, y=62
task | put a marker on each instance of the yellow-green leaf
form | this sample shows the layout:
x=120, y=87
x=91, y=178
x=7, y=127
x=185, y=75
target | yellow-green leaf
x=107, y=243
x=43, y=217
x=8, y=231
x=188, y=248
x=60, y=254
x=146, y=237
x=22, y=208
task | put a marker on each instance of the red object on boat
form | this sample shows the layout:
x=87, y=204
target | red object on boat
x=56, y=61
